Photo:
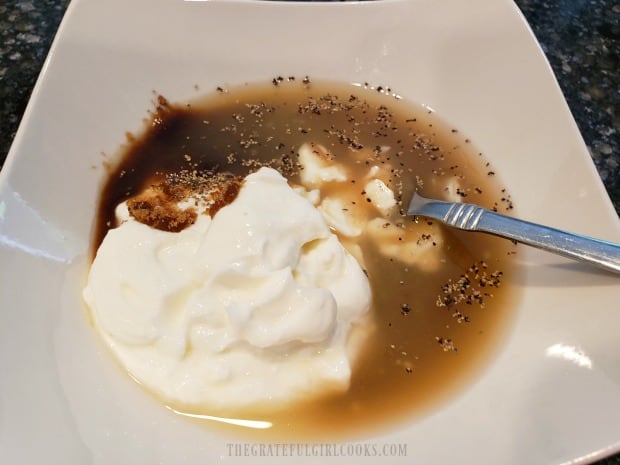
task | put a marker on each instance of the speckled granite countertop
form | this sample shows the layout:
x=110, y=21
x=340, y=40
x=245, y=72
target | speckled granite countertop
x=579, y=37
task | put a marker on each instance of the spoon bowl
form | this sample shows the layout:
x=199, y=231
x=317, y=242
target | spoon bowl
x=469, y=217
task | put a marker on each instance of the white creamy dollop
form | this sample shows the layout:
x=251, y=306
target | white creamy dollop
x=258, y=306
x=318, y=166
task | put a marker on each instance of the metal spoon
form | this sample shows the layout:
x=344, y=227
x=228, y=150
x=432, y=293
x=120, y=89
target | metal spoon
x=470, y=217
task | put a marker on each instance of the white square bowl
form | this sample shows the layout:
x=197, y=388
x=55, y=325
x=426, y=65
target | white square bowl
x=552, y=395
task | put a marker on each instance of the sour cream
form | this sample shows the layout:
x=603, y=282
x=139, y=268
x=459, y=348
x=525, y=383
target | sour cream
x=258, y=306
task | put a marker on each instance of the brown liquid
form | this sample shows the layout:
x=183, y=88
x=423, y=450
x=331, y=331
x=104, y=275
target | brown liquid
x=420, y=352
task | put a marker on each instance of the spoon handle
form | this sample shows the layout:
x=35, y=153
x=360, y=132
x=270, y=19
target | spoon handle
x=470, y=217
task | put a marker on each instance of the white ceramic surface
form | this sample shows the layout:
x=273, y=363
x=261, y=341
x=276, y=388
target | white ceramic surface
x=553, y=393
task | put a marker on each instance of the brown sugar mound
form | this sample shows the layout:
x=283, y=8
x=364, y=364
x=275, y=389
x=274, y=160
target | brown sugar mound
x=158, y=205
